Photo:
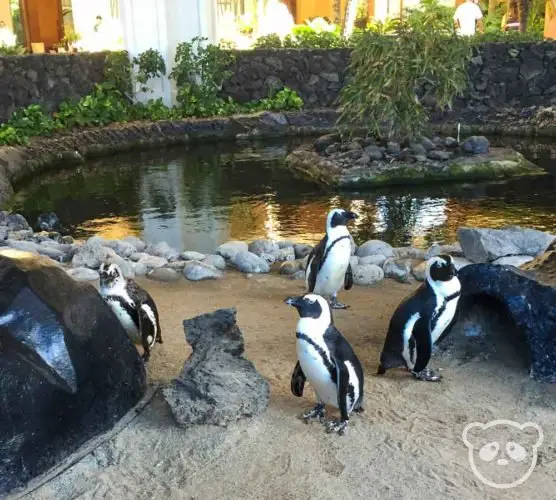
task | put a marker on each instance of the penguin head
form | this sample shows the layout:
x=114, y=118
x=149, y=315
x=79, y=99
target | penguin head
x=110, y=274
x=310, y=306
x=441, y=268
x=339, y=217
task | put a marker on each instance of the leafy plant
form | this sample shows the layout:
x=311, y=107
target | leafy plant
x=271, y=41
x=431, y=15
x=117, y=74
x=15, y=50
x=11, y=136
x=150, y=64
x=32, y=120
x=306, y=37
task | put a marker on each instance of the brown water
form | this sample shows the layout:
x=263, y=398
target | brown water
x=196, y=198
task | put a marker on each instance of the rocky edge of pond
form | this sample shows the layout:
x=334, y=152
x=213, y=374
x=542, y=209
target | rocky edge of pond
x=332, y=162
x=371, y=262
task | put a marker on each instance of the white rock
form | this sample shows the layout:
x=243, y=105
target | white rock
x=92, y=254
x=24, y=246
x=261, y=247
x=216, y=261
x=436, y=249
x=231, y=248
x=139, y=269
x=192, y=256
x=197, y=271
x=248, y=262
x=153, y=262
x=377, y=260
x=163, y=274
x=177, y=264
x=399, y=270
x=367, y=274
x=409, y=253
x=83, y=274
x=375, y=247
x=285, y=254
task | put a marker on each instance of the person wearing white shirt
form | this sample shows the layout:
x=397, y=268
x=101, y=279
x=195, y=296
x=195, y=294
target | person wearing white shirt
x=468, y=17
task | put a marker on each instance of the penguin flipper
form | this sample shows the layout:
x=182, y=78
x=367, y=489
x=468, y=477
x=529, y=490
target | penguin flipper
x=343, y=386
x=146, y=332
x=422, y=335
x=314, y=263
x=298, y=381
x=348, y=280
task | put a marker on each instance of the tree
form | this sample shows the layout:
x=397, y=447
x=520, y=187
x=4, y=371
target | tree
x=523, y=14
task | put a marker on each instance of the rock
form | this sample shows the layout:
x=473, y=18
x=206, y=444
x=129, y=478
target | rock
x=418, y=149
x=367, y=274
x=125, y=266
x=325, y=141
x=268, y=258
x=354, y=146
x=177, y=264
x=450, y=142
x=285, y=254
x=393, y=148
x=68, y=371
x=436, y=249
x=439, y=155
x=24, y=246
x=476, y=145
x=3, y=233
x=354, y=261
x=409, y=253
x=302, y=250
x=152, y=262
x=92, y=254
x=375, y=247
x=49, y=222
x=122, y=248
x=136, y=257
x=67, y=240
x=231, y=248
x=419, y=270
x=17, y=222
x=514, y=260
x=377, y=260
x=23, y=235
x=217, y=385
x=260, y=247
x=399, y=270
x=332, y=149
x=485, y=245
x=374, y=153
x=531, y=306
x=298, y=275
x=216, y=261
x=164, y=274
x=460, y=262
x=139, y=269
x=248, y=262
x=53, y=253
x=198, y=271
x=162, y=249
x=290, y=267
x=285, y=244
x=83, y=274
x=192, y=256
x=427, y=143
x=136, y=242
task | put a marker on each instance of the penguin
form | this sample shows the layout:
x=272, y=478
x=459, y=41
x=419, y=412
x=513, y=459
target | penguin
x=327, y=361
x=328, y=266
x=133, y=306
x=421, y=320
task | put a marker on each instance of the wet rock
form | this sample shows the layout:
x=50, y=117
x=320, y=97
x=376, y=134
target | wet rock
x=248, y=262
x=439, y=155
x=260, y=247
x=49, y=222
x=450, y=142
x=375, y=247
x=325, y=141
x=152, y=262
x=68, y=371
x=485, y=245
x=290, y=267
x=399, y=270
x=436, y=249
x=393, y=148
x=22, y=235
x=198, y=271
x=514, y=260
x=136, y=242
x=427, y=143
x=302, y=250
x=367, y=274
x=162, y=249
x=192, y=256
x=476, y=145
x=216, y=261
x=83, y=274
x=377, y=260
x=531, y=305
x=285, y=254
x=16, y=222
x=163, y=274
x=231, y=248
x=217, y=385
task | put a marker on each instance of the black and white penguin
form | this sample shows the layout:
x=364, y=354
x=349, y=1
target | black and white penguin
x=328, y=266
x=421, y=320
x=327, y=361
x=133, y=306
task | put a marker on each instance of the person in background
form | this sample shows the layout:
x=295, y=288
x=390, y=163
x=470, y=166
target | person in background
x=468, y=17
x=98, y=22
x=510, y=21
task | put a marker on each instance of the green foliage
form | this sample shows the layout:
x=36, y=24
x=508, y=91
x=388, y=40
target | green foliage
x=117, y=73
x=389, y=72
x=11, y=137
x=431, y=15
x=17, y=50
x=306, y=37
x=150, y=64
x=271, y=41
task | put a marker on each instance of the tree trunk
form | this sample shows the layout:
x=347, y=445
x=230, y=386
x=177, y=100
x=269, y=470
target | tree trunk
x=492, y=4
x=523, y=13
x=337, y=11
x=349, y=18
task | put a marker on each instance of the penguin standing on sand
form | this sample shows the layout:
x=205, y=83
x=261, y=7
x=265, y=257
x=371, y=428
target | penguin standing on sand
x=327, y=361
x=133, y=306
x=421, y=320
x=328, y=266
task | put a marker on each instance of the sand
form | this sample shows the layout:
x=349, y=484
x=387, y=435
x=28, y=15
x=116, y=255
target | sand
x=407, y=445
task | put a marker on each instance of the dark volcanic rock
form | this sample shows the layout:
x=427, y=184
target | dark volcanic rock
x=68, y=371
x=531, y=305
x=476, y=145
x=217, y=384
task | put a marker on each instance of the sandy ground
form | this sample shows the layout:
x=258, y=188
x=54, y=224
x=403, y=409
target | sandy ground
x=407, y=445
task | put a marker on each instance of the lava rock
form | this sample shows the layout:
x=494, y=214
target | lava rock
x=486, y=245
x=302, y=250
x=531, y=305
x=248, y=262
x=367, y=274
x=375, y=247
x=83, y=274
x=198, y=271
x=163, y=274
x=217, y=385
x=399, y=270
x=231, y=248
x=68, y=371
x=192, y=256
x=49, y=222
x=514, y=260
x=216, y=261
x=476, y=145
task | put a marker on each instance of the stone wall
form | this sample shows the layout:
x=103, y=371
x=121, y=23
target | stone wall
x=501, y=74
x=48, y=79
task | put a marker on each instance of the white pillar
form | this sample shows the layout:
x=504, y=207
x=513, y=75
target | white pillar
x=162, y=25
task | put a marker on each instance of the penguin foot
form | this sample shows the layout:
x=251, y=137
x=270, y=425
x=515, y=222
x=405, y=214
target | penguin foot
x=427, y=375
x=336, y=304
x=317, y=413
x=339, y=426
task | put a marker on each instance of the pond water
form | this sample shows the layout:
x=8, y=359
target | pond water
x=196, y=198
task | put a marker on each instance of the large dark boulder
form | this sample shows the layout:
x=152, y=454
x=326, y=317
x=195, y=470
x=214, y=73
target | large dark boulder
x=217, y=384
x=530, y=305
x=68, y=371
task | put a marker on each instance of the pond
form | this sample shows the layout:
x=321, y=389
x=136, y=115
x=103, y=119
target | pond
x=198, y=197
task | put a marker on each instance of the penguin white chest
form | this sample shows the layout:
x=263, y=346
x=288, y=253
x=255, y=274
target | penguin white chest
x=331, y=275
x=126, y=320
x=444, y=318
x=317, y=373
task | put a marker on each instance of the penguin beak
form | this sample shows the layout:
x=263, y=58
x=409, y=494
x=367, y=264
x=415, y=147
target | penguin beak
x=293, y=301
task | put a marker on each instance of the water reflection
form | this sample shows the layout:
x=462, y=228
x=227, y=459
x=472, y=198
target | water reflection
x=197, y=198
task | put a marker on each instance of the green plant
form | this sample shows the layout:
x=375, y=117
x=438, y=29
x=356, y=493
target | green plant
x=271, y=41
x=117, y=74
x=9, y=135
x=32, y=120
x=150, y=64
x=16, y=50
x=431, y=15
x=70, y=37
x=306, y=37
